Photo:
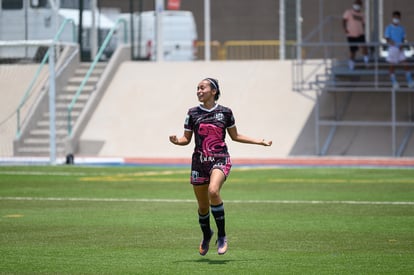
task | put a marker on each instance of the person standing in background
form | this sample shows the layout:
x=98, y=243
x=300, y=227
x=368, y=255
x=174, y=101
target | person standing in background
x=353, y=23
x=395, y=36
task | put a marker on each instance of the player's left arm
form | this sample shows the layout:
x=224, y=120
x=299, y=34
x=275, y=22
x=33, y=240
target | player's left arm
x=236, y=136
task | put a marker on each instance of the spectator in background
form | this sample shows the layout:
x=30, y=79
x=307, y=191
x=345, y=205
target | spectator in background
x=395, y=36
x=353, y=23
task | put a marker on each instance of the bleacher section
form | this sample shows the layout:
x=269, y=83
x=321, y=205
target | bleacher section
x=360, y=113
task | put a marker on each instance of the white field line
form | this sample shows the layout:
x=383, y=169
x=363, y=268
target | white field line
x=41, y=173
x=193, y=201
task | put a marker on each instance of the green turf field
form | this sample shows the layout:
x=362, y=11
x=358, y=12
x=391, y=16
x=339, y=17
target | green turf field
x=140, y=220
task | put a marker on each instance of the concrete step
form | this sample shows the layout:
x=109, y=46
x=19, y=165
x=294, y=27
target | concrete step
x=77, y=80
x=73, y=89
x=44, y=133
x=83, y=69
x=45, y=123
x=62, y=107
x=41, y=142
x=33, y=151
x=60, y=115
x=66, y=98
x=88, y=64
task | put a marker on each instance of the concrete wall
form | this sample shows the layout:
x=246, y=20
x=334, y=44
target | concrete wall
x=14, y=80
x=146, y=102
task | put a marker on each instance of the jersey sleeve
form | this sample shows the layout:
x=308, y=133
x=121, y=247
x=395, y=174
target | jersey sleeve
x=188, y=123
x=230, y=121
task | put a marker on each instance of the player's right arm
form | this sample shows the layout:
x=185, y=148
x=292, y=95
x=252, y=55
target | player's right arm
x=184, y=140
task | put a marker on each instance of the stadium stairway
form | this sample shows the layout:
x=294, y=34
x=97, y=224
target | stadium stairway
x=37, y=141
x=35, y=138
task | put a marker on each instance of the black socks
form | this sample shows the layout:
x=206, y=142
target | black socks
x=204, y=222
x=218, y=213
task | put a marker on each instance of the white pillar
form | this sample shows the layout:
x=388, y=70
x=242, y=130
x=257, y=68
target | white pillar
x=282, y=34
x=55, y=8
x=207, y=31
x=94, y=32
x=54, y=4
x=299, y=30
x=380, y=19
x=159, y=10
x=52, y=106
x=367, y=20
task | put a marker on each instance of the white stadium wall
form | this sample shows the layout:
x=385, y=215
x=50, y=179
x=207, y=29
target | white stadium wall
x=146, y=102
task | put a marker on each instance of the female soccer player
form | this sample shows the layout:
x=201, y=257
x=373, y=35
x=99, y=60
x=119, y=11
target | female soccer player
x=211, y=161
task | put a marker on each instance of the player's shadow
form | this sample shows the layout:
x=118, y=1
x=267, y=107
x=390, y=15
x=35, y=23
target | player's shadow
x=214, y=262
x=211, y=261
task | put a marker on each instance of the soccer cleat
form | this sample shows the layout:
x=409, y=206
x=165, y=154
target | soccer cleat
x=221, y=245
x=205, y=245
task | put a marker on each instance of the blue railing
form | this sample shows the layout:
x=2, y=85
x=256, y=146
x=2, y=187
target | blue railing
x=92, y=67
x=39, y=70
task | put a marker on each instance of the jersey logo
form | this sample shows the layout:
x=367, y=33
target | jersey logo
x=195, y=175
x=219, y=116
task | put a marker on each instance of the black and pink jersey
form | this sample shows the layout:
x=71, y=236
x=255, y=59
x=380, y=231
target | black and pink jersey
x=209, y=128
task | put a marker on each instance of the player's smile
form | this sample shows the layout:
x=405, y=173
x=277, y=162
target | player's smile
x=201, y=95
x=204, y=92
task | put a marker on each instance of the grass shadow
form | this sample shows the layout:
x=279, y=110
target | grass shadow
x=212, y=261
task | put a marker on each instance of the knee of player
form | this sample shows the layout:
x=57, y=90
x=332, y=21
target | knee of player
x=214, y=193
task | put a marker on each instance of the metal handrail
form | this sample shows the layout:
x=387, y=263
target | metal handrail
x=244, y=48
x=39, y=69
x=257, y=49
x=92, y=67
